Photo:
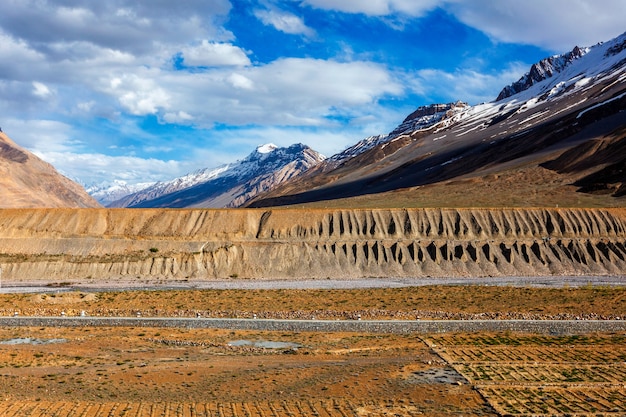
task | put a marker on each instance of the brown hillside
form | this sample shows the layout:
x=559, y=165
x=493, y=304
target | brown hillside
x=27, y=181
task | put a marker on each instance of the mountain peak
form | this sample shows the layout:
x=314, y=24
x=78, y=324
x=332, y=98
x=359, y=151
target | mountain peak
x=426, y=117
x=542, y=70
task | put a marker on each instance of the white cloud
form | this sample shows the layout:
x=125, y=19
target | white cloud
x=44, y=135
x=284, y=22
x=285, y=92
x=41, y=90
x=140, y=94
x=95, y=168
x=214, y=54
x=240, y=81
x=180, y=117
x=139, y=28
x=377, y=7
x=557, y=25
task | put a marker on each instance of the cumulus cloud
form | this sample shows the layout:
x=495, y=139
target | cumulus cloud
x=124, y=25
x=140, y=95
x=214, y=54
x=37, y=134
x=284, y=22
x=95, y=168
x=290, y=91
x=41, y=90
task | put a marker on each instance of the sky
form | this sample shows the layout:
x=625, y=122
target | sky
x=148, y=90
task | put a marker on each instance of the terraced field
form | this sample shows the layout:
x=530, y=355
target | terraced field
x=539, y=375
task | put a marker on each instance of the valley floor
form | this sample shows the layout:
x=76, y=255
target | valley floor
x=150, y=371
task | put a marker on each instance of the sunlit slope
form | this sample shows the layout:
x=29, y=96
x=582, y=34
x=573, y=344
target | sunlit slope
x=79, y=245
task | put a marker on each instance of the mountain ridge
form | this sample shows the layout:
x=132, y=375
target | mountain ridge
x=542, y=70
x=229, y=185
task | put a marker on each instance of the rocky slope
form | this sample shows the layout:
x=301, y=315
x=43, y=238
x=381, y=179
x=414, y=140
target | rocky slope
x=562, y=105
x=152, y=244
x=27, y=181
x=542, y=70
x=230, y=185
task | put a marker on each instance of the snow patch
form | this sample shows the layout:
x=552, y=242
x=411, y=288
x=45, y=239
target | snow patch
x=267, y=148
x=600, y=104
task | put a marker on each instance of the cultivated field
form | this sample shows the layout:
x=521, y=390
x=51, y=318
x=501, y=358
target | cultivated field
x=539, y=375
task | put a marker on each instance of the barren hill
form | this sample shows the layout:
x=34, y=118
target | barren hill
x=27, y=181
x=156, y=244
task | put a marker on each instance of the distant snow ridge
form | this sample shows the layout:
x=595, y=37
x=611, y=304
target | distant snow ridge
x=229, y=185
x=110, y=191
x=359, y=147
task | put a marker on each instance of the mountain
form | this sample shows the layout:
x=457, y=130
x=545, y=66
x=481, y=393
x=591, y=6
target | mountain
x=423, y=119
x=229, y=185
x=542, y=70
x=555, y=137
x=28, y=182
x=108, y=192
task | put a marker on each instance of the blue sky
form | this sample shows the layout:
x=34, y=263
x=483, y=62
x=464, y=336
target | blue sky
x=149, y=90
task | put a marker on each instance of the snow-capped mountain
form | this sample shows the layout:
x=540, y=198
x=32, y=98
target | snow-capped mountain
x=541, y=70
x=229, y=185
x=572, y=104
x=108, y=192
x=422, y=119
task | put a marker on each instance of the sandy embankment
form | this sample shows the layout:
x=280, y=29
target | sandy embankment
x=209, y=248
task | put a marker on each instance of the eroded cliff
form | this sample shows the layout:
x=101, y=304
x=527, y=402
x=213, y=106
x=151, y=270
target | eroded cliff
x=91, y=244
